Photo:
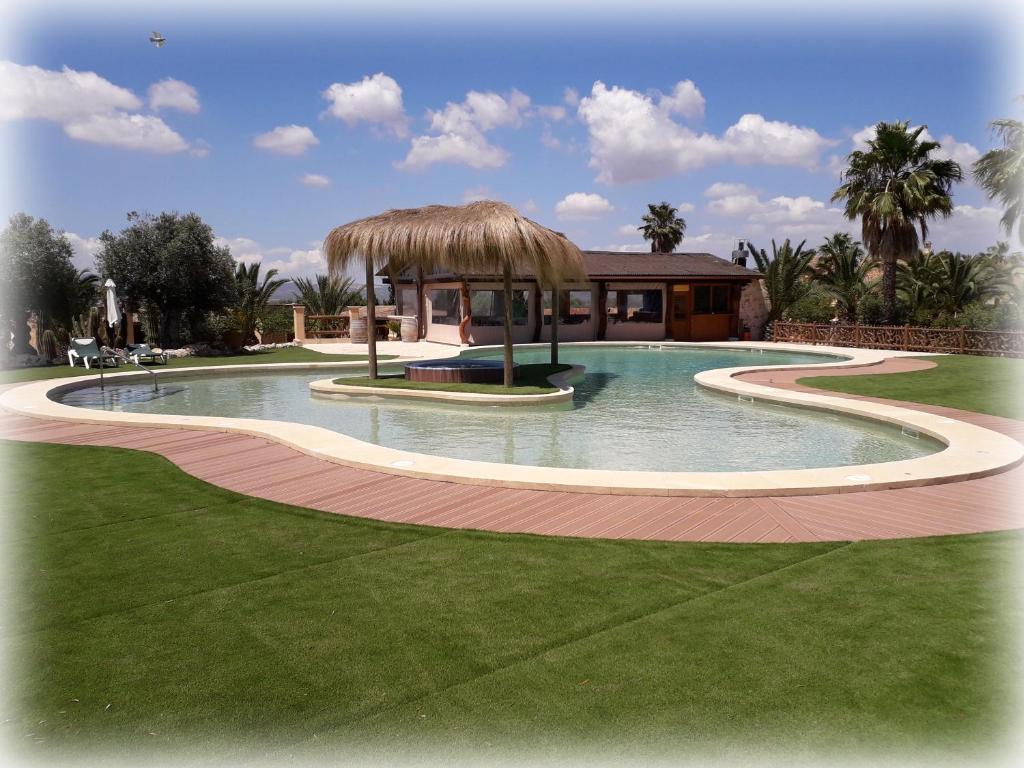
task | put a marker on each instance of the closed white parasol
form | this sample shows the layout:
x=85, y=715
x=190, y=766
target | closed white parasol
x=113, y=307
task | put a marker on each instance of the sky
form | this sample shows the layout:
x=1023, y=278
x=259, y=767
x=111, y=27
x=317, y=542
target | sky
x=277, y=124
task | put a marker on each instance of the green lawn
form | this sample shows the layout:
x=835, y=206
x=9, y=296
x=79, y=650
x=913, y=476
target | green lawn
x=285, y=355
x=531, y=379
x=984, y=384
x=146, y=610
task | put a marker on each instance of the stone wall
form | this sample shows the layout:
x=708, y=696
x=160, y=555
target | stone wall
x=754, y=309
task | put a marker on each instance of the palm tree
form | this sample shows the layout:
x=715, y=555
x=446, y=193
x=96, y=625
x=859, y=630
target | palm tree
x=1000, y=172
x=785, y=275
x=917, y=281
x=895, y=187
x=253, y=297
x=842, y=270
x=328, y=295
x=966, y=279
x=663, y=227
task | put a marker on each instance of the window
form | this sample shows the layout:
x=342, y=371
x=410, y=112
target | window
x=711, y=299
x=573, y=307
x=444, y=306
x=635, y=306
x=488, y=307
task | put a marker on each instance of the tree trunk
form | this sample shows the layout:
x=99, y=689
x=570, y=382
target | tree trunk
x=889, y=288
x=554, y=323
x=421, y=321
x=508, y=327
x=371, y=321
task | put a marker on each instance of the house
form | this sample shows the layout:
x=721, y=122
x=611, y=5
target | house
x=626, y=297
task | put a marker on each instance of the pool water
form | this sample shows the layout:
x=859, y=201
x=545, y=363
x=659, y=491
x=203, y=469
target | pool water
x=636, y=409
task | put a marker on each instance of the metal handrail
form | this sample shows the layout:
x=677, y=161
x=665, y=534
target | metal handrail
x=128, y=360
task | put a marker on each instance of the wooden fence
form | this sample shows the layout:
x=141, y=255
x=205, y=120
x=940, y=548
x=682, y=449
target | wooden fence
x=962, y=341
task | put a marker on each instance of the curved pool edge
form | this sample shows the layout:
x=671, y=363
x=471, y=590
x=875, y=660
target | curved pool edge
x=970, y=452
x=329, y=389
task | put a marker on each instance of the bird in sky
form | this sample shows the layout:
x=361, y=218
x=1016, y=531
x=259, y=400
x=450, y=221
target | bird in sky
x=157, y=39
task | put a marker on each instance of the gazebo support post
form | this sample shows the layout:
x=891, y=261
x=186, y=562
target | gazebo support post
x=371, y=320
x=508, y=325
x=555, y=312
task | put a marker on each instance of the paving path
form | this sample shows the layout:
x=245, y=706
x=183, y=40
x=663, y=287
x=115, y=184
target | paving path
x=267, y=470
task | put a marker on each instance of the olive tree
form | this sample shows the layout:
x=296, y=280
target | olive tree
x=169, y=266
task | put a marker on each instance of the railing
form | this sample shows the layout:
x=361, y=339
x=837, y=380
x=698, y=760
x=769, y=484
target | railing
x=327, y=326
x=128, y=360
x=964, y=341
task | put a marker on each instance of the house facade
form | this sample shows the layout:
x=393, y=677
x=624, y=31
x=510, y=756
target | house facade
x=625, y=297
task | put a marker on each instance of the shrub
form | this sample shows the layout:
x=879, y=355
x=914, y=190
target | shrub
x=816, y=306
x=276, y=319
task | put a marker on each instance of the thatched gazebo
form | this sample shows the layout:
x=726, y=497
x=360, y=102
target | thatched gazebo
x=485, y=237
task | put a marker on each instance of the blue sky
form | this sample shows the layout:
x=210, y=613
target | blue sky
x=658, y=114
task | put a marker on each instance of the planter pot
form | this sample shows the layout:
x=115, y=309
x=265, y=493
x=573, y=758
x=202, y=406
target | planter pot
x=357, y=329
x=410, y=329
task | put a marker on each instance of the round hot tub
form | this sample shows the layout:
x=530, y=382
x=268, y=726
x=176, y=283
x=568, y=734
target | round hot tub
x=458, y=371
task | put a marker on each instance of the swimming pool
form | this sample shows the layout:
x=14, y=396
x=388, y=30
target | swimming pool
x=637, y=409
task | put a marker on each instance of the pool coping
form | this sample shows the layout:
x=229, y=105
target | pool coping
x=970, y=452
x=330, y=389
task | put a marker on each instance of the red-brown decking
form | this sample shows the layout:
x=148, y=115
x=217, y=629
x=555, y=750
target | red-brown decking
x=265, y=469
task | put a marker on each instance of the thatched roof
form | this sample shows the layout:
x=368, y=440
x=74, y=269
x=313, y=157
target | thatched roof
x=481, y=237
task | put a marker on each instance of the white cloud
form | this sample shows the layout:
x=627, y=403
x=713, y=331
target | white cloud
x=633, y=139
x=376, y=99
x=34, y=93
x=970, y=229
x=480, y=112
x=200, y=148
x=289, y=262
x=582, y=205
x=549, y=140
x=84, y=250
x=173, y=94
x=473, y=151
x=950, y=149
x=556, y=112
x=571, y=97
x=724, y=188
x=628, y=229
x=286, y=140
x=87, y=106
x=461, y=129
x=686, y=207
x=299, y=262
x=142, y=132
x=530, y=206
x=628, y=247
x=316, y=180
x=474, y=194
x=685, y=99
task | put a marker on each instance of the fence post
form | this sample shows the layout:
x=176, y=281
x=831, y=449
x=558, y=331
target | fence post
x=856, y=335
x=299, y=323
x=906, y=337
x=963, y=341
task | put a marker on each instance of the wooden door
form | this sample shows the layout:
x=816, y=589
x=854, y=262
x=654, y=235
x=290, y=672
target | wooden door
x=679, y=311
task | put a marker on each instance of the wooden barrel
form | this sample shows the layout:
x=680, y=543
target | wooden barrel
x=410, y=329
x=357, y=329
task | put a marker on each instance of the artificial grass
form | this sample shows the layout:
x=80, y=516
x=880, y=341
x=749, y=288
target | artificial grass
x=283, y=355
x=147, y=610
x=989, y=385
x=531, y=379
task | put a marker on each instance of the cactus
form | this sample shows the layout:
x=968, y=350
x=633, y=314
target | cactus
x=48, y=345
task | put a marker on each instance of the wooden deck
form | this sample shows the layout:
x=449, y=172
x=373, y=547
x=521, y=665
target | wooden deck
x=267, y=470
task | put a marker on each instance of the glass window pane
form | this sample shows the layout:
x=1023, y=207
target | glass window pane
x=488, y=307
x=701, y=299
x=720, y=299
x=639, y=306
x=444, y=306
